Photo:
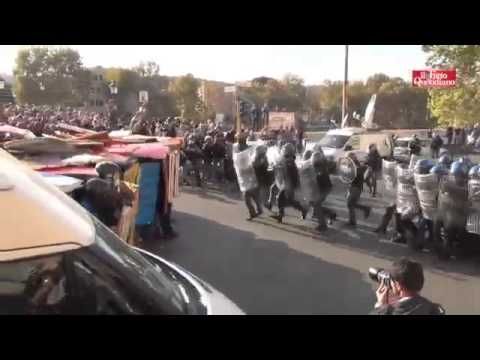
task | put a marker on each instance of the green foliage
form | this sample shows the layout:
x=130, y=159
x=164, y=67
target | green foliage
x=185, y=90
x=49, y=76
x=459, y=106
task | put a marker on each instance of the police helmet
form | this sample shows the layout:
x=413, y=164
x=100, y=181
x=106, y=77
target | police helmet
x=317, y=148
x=307, y=154
x=458, y=169
x=474, y=172
x=288, y=150
x=423, y=166
x=317, y=157
x=445, y=160
x=107, y=169
x=466, y=161
x=439, y=170
x=261, y=150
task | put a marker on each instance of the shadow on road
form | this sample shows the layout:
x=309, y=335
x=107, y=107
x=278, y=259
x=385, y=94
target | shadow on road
x=207, y=193
x=264, y=276
x=363, y=239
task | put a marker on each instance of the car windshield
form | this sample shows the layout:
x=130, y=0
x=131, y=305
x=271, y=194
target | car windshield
x=334, y=141
x=157, y=280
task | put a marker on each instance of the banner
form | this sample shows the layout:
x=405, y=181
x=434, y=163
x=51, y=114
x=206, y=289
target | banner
x=277, y=120
x=434, y=78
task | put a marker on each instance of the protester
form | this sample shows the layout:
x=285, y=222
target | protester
x=374, y=163
x=435, y=145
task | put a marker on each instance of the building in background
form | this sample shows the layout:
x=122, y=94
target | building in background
x=99, y=93
x=6, y=95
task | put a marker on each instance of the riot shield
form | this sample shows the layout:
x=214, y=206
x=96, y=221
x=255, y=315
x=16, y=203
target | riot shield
x=389, y=175
x=309, y=191
x=347, y=170
x=453, y=203
x=407, y=199
x=243, y=164
x=473, y=220
x=273, y=156
x=427, y=190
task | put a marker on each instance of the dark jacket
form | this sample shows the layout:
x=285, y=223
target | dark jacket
x=374, y=160
x=323, y=178
x=436, y=143
x=218, y=151
x=417, y=305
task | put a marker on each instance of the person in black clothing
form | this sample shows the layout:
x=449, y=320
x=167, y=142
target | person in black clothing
x=324, y=184
x=286, y=195
x=207, y=150
x=449, y=135
x=354, y=192
x=374, y=164
x=218, y=156
x=435, y=146
x=402, y=296
x=171, y=128
x=260, y=165
x=194, y=155
x=415, y=146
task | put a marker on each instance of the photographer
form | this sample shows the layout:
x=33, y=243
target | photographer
x=400, y=293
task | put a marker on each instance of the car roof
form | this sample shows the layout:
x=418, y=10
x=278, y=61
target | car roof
x=409, y=138
x=346, y=131
x=37, y=218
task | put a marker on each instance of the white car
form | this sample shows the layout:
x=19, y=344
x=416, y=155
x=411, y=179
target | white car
x=55, y=258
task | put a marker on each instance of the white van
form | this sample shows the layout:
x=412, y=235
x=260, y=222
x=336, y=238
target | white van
x=338, y=142
x=56, y=258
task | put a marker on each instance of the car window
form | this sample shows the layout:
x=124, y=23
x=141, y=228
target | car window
x=333, y=141
x=354, y=142
x=146, y=289
x=34, y=286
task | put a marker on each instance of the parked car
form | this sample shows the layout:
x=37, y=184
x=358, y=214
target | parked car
x=56, y=258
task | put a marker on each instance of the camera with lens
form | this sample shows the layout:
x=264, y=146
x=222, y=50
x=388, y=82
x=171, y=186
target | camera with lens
x=378, y=275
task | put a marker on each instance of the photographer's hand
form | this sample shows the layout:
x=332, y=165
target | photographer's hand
x=382, y=294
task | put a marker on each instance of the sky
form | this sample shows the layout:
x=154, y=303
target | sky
x=230, y=63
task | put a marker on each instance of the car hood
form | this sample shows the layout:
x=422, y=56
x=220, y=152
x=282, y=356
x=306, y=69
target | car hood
x=216, y=302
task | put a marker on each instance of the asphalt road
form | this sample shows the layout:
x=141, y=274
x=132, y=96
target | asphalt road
x=270, y=268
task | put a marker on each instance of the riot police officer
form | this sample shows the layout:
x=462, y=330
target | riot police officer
x=287, y=181
x=354, y=192
x=246, y=175
x=450, y=223
x=324, y=185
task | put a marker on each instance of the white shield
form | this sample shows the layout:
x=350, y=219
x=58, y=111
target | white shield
x=243, y=163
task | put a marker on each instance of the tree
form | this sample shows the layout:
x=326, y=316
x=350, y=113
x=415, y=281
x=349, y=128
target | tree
x=459, y=106
x=185, y=90
x=147, y=69
x=48, y=75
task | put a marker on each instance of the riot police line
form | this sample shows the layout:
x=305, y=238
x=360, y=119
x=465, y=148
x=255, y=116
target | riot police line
x=433, y=204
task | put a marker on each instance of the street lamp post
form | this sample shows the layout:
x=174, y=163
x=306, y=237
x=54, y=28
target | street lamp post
x=345, y=85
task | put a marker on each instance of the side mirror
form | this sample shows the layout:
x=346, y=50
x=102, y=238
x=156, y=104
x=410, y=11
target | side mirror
x=348, y=148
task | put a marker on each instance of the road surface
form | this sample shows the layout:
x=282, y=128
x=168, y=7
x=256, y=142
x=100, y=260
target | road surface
x=270, y=268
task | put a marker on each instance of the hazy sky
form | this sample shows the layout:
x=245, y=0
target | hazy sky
x=230, y=63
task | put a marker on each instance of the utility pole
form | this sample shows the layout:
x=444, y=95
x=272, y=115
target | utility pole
x=345, y=85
